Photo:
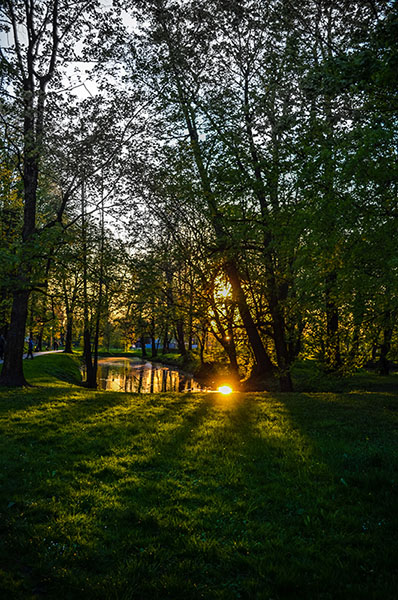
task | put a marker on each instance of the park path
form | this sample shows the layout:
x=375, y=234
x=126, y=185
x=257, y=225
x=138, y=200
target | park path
x=41, y=353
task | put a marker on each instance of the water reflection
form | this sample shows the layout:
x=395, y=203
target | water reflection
x=135, y=375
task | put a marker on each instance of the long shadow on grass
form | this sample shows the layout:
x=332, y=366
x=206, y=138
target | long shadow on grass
x=224, y=507
x=352, y=431
x=190, y=498
x=56, y=397
x=76, y=402
x=76, y=488
x=354, y=437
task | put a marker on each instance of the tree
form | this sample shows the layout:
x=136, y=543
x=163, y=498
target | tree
x=42, y=34
x=348, y=174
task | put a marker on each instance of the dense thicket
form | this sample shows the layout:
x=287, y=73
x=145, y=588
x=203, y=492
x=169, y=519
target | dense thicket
x=248, y=151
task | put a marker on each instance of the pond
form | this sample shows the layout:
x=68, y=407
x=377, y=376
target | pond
x=118, y=374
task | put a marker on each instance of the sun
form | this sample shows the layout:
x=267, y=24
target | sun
x=224, y=389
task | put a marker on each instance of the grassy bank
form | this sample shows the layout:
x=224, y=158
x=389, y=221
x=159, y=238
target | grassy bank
x=256, y=496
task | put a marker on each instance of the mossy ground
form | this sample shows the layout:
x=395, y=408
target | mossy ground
x=186, y=496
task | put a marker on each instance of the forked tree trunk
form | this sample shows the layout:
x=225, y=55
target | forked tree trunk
x=225, y=337
x=12, y=372
x=33, y=126
x=263, y=370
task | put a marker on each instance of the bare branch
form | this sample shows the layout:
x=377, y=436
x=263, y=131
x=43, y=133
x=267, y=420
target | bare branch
x=16, y=39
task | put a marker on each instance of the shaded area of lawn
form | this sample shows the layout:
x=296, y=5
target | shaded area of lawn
x=107, y=495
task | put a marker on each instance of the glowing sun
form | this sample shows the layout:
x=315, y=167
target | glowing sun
x=224, y=389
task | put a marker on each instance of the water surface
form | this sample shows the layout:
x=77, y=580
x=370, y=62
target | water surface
x=135, y=375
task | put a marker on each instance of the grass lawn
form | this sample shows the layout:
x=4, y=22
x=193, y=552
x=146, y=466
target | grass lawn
x=256, y=496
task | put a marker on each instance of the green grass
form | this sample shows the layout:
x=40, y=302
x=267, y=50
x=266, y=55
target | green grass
x=254, y=496
x=115, y=352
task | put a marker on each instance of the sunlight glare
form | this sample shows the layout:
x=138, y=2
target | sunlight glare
x=225, y=389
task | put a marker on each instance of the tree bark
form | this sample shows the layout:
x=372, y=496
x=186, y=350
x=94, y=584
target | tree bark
x=69, y=331
x=91, y=381
x=332, y=345
x=281, y=347
x=100, y=283
x=264, y=367
x=12, y=372
x=274, y=296
x=263, y=370
x=384, y=363
x=154, y=349
x=69, y=308
x=180, y=337
x=165, y=345
x=33, y=126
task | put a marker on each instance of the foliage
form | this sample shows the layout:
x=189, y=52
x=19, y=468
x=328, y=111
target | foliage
x=229, y=185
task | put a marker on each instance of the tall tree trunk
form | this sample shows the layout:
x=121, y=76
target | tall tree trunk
x=12, y=372
x=275, y=298
x=166, y=341
x=180, y=337
x=69, y=309
x=44, y=307
x=153, y=336
x=332, y=345
x=40, y=339
x=33, y=124
x=169, y=304
x=87, y=354
x=69, y=332
x=154, y=348
x=152, y=380
x=96, y=341
x=384, y=364
x=31, y=314
x=281, y=347
x=202, y=343
x=100, y=291
x=190, y=317
x=143, y=349
x=263, y=370
x=333, y=356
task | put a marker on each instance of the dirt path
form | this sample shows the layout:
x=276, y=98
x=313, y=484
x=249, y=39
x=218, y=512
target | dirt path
x=40, y=353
